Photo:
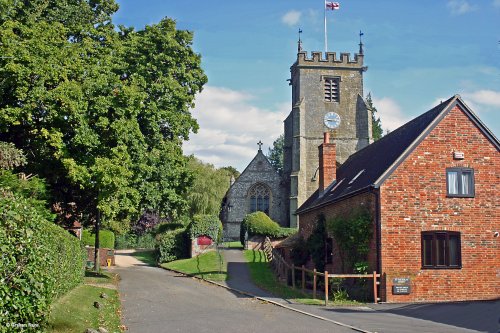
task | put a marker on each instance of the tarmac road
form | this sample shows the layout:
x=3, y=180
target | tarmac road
x=155, y=300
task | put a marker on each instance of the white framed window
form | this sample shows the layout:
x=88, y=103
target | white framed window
x=460, y=182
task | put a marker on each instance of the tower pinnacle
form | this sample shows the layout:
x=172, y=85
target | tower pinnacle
x=300, y=42
x=360, y=42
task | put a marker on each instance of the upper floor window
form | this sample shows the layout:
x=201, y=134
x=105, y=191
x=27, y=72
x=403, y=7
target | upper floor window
x=460, y=182
x=332, y=91
x=441, y=249
x=259, y=198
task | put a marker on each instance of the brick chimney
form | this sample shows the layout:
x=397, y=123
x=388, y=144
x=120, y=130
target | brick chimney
x=327, y=163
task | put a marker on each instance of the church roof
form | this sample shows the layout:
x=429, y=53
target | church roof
x=370, y=166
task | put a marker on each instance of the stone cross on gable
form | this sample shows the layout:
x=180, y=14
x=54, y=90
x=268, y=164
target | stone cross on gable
x=260, y=144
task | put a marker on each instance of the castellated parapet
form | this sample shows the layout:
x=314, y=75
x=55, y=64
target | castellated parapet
x=317, y=59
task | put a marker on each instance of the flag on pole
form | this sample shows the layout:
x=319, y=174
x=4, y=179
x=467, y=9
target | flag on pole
x=332, y=5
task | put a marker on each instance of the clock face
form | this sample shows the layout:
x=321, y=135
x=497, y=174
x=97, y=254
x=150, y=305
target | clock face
x=332, y=120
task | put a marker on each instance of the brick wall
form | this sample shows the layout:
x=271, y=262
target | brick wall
x=413, y=199
x=342, y=209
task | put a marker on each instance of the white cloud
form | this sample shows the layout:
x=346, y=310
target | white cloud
x=485, y=97
x=496, y=3
x=291, y=18
x=390, y=113
x=230, y=127
x=459, y=7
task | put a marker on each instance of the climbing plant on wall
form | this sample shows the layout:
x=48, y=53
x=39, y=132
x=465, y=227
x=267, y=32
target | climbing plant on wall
x=352, y=236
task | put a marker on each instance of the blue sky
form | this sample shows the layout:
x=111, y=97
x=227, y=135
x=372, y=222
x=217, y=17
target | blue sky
x=417, y=52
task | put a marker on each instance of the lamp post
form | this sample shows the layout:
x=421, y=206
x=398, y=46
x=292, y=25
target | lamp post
x=96, y=247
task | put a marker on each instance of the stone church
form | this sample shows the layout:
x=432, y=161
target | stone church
x=327, y=96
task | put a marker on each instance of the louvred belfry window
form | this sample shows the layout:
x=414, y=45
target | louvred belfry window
x=332, y=90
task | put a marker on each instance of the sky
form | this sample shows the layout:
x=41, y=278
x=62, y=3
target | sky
x=418, y=53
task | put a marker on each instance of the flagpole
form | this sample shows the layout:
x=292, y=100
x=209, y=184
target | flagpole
x=326, y=41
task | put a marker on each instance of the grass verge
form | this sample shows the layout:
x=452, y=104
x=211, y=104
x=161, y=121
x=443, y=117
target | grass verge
x=208, y=266
x=75, y=311
x=146, y=256
x=233, y=245
x=263, y=276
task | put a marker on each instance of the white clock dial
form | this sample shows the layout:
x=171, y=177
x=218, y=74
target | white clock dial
x=332, y=120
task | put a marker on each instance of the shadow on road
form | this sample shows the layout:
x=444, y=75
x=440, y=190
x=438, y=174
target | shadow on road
x=483, y=316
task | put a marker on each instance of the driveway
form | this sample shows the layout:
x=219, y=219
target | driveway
x=156, y=300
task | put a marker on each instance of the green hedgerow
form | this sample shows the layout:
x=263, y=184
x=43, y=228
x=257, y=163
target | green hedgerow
x=106, y=238
x=172, y=245
x=258, y=223
x=209, y=225
x=39, y=261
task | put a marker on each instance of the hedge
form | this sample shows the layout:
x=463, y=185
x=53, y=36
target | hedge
x=39, y=261
x=172, y=245
x=208, y=225
x=258, y=223
x=106, y=238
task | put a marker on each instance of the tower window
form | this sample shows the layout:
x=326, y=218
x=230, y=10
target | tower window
x=332, y=92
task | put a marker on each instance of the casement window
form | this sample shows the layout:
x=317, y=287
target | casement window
x=441, y=249
x=332, y=91
x=259, y=198
x=460, y=182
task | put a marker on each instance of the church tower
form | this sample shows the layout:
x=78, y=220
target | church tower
x=320, y=86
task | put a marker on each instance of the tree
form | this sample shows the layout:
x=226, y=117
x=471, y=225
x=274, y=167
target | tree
x=377, y=131
x=101, y=113
x=275, y=154
x=10, y=156
x=208, y=189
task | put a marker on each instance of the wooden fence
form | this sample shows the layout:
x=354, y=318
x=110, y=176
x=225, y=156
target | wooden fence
x=282, y=268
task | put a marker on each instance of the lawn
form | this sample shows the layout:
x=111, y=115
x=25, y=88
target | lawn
x=208, y=266
x=75, y=311
x=146, y=256
x=263, y=276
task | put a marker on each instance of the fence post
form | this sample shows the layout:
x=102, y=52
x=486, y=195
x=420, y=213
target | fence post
x=375, y=296
x=326, y=288
x=293, y=276
x=314, y=283
x=303, y=278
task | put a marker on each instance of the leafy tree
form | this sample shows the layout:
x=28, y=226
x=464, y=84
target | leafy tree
x=232, y=171
x=101, y=113
x=10, y=157
x=377, y=131
x=275, y=154
x=208, y=189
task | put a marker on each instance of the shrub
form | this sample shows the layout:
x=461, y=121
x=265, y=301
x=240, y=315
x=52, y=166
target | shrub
x=39, y=261
x=300, y=253
x=172, y=245
x=106, y=238
x=258, y=223
x=209, y=225
x=352, y=236
x=316, y=243
x=168, y=226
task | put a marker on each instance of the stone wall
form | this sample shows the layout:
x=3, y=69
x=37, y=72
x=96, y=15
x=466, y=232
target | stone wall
x=237, y=201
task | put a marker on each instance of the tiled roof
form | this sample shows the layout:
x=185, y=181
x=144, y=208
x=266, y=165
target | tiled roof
x=364, y=168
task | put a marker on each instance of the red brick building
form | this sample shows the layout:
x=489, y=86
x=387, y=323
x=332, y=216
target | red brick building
x=431, y=187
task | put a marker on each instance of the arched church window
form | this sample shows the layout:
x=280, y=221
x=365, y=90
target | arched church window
x=259, y=198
